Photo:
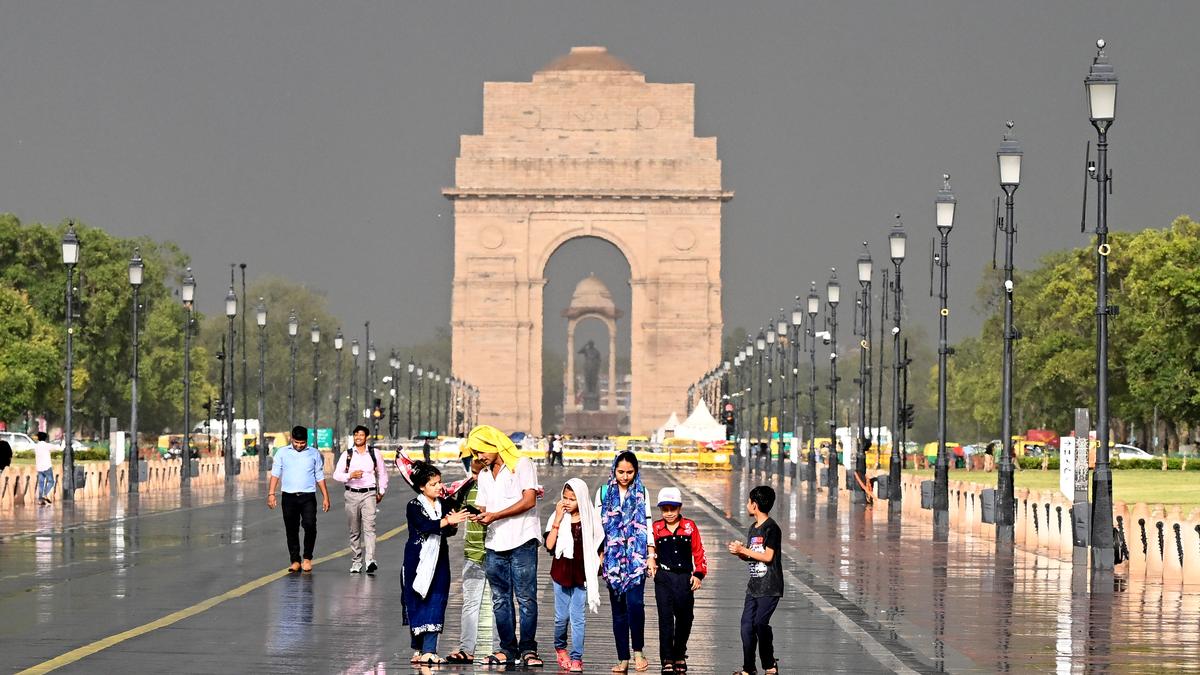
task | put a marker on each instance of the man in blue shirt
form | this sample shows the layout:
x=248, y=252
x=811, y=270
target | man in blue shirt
x=301, y=471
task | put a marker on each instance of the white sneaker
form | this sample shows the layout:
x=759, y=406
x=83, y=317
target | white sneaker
x=371, y=567
x=355, y=567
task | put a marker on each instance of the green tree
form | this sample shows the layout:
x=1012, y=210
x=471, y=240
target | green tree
x=28, y=356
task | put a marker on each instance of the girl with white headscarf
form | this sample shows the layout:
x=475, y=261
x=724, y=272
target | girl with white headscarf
x=574, y=536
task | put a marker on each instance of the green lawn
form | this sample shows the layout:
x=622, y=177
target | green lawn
x=1129, y=485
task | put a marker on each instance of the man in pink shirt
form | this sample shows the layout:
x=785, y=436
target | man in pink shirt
x=366, y=479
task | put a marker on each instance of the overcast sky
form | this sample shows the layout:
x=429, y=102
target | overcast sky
x=311, y=139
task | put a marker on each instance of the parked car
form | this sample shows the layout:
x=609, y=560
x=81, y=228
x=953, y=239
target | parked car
x=18, y=441
x=1130, y=452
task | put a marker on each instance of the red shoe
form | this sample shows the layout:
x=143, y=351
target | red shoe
x=564, y=659
x=576, y=666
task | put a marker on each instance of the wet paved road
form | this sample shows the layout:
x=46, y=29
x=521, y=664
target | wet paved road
x=72, y=579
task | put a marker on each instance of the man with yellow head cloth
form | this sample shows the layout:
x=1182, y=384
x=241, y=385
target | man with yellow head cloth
x=507, y=500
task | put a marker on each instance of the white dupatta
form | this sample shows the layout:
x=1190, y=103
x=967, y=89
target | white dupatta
x=593, y=536
x=430, y=547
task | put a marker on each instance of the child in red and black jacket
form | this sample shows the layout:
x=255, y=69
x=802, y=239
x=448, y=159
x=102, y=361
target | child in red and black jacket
x=678, y=571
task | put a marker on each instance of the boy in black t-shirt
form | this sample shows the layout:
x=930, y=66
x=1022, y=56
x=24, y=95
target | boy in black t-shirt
x=765, y=587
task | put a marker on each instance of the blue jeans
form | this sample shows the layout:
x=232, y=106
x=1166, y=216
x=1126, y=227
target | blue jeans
x=510, y=573
x=629, y=618
x=569, y=606
x=426, y=643
x=45, y=482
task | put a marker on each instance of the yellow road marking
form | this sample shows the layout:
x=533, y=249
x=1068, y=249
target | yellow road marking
x=175, y=617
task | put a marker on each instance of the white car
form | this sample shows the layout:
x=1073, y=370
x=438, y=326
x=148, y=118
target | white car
x=1130, y=452
x=17, y=441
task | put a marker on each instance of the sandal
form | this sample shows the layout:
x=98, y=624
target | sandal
x=430, y=659
x=668, y=667
x=681, y=666
x=773, y=670
x=460, y=657
x=621, y=667
x=640, y=663
x=532, y=660
x=496, y=659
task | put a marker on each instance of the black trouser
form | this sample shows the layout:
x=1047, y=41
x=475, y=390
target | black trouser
x=675, y=601
x=756, y=628
x=300, y=508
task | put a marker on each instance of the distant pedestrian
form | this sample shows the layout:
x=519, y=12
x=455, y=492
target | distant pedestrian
x=508, y=493
x=366, y=479
x=575, y=551
x=45, y=467
x=427, y=562
x=476, y=601
x=765, y=587
x=302, y=473
x=427, y=452
x=682, y=567
x=624, y=507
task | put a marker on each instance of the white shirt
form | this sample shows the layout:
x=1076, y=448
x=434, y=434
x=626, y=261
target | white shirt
x=41, y=456
x=500, y=491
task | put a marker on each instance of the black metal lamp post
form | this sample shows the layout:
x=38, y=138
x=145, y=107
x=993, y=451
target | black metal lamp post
x=136, y=268
x=896, y=245
x=70, y=258
x=770, y=356
x=794, y=344
x=786, y=419
x=245, y=372
x=411, y=368
x=394, y=390
x=436, y=392
x=944, y=212
x=813, y=302
x=1008, y=159
x=264, y=453
x=369, y=380
x=293, y=332
x=231, y=454
x=338, y=341
x=761, y=424
x=355, y=411
x=315, y=336
x=865, y=269
x=1101, y=85
x=833, y=295
x=188, y=295
x=420, y=400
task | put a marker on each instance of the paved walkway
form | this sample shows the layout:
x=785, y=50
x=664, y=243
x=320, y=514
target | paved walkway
x=196, y=585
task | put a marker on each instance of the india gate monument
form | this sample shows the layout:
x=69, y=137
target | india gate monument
x=588, y=148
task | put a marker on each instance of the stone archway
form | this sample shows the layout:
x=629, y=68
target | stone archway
x=587, y=149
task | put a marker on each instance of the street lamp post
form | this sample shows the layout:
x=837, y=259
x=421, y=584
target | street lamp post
x=896, y=245
x=188, y=295
x=797, y=425
x=411, y=368
x=393, y=406
x=231, y=310
x=355, y=411
x=944, y=213
x=787, y=392
x=260, y=318
x=760, y=422
x=1101, y=85
x=435, y=392
x=369, y=380
x=1008, y=159
x=770, y=356
x=136, y=268
x=420, y=400
x=338, y=342
x=70, y=258
x=315, y=336
x=813, y=302
x=858, y=493
x=833, y=295
x=293, y=332
x=245, y=372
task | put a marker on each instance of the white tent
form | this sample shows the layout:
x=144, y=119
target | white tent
x=668, y=428
x=701, y=426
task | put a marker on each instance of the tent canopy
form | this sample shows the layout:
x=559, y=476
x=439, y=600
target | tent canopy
x=701, y=426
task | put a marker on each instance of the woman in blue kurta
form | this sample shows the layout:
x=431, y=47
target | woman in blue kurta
x=427, y=562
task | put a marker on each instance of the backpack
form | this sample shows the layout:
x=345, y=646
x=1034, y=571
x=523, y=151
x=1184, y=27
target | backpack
x=374, y=463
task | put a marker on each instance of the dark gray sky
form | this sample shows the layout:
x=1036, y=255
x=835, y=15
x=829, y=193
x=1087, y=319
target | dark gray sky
x=310, y=139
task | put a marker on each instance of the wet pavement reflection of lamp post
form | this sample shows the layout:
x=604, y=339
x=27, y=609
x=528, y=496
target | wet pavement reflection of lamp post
x=813, y=306
x=833, y=295
x=1101, y=85
x=70, y=258
x=338, y=342
x=188, y=295
x=264, y=452
x=865, y=268
x=231, y=310
x=1008, y=159
x=136, y=269
x=293, y=333
x=896, y=245
x=944, y=216
x=315, y=336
